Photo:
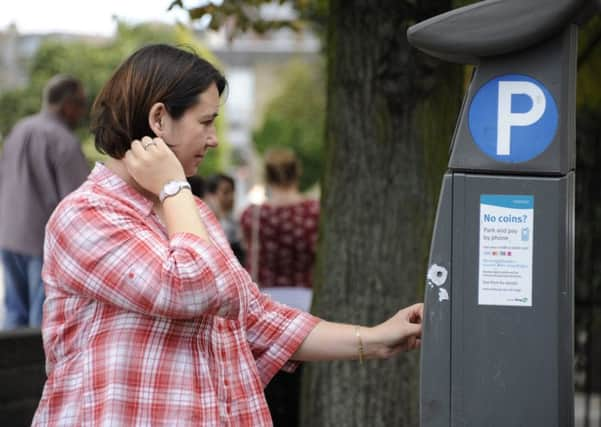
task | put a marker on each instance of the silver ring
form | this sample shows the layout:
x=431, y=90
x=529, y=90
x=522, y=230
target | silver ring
x=145, y=146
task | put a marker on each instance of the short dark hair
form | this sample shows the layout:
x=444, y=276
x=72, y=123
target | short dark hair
x=282, y=166
x=60, y=88
x=214, y=180
x=155, y=73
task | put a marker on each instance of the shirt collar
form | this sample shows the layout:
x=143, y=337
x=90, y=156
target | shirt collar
x=111, y=182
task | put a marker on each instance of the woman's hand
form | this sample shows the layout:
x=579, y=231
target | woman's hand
x=152, y=164
x=339, y=341
x=402, y=332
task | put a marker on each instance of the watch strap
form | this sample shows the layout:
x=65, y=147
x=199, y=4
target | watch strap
x=180, y=185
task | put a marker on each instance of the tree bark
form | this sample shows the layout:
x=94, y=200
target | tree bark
x=390, y=117
x=588, y=256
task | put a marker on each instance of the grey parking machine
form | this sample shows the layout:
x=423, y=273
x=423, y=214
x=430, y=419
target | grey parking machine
x=498, y=330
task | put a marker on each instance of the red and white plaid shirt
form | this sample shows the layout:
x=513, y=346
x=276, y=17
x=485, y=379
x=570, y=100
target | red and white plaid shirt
x=143, y=330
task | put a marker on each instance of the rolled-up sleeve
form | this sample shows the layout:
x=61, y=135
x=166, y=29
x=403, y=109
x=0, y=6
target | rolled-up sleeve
x=275, y=331
x=109, y=254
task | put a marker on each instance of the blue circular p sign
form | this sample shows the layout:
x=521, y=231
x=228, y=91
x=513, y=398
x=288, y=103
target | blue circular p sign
x=513, y=118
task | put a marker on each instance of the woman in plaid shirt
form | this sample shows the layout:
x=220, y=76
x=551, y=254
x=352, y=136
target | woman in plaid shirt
x=149, y=318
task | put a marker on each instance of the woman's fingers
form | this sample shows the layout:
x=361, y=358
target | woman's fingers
x=414, y=329
x=137, y=147
x=152, y=164
x=415, y=313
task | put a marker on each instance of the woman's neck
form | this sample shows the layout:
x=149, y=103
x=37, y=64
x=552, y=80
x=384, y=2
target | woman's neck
x=119, y=169
x=284, y=195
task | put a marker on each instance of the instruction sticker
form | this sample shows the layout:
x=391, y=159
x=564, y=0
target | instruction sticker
x=506, y=237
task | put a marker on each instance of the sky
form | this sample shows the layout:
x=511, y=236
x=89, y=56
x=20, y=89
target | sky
x=85, y=16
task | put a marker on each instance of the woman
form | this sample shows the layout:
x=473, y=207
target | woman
x=149, y=319
x=281, y=236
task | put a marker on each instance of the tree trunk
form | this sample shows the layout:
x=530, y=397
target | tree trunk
x=588, y=213
x=588, y=255
x=390, y=116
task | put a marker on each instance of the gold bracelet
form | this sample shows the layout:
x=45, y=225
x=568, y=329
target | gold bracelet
x=360, y=343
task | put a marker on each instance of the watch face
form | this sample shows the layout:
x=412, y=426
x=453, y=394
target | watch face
x=172, y=188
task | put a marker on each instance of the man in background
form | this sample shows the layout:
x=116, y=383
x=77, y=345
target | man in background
x=41, y=162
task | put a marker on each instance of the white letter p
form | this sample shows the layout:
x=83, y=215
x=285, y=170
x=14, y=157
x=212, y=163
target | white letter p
x=506, y=119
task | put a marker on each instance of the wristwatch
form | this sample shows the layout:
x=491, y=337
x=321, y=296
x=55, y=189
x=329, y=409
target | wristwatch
x=172, y=188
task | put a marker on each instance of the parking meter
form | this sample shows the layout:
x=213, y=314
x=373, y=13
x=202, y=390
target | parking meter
x=497, y=347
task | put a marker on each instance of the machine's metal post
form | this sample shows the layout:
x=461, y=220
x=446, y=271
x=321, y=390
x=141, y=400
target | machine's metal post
x=498, y=329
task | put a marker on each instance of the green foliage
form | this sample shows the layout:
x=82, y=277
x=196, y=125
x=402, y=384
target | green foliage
x=244, y=15
x=295, y=119
x=94, y=62
x=16, y=104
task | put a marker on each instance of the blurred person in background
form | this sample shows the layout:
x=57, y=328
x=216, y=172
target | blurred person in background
x=220, y=198
x=197, y=185
x=41, y=162
x=281, y=237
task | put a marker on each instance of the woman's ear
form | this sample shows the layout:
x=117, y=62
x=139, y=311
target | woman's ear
x=156, y=118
